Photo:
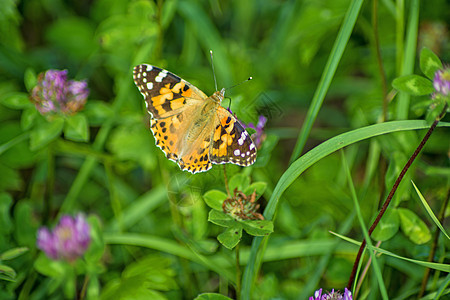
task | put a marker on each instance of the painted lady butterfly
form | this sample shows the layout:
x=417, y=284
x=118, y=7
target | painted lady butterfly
x=192, y=129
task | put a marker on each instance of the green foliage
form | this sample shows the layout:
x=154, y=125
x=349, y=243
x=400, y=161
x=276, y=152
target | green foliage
x=211, y=296
x=388, y=226
x=6, y=272
x=76, y=128
x=142, y=280
x=219, y=216
x=413, y=227
x=45, y=131
x=322, y=75
x=414, y=85
x=429, y=63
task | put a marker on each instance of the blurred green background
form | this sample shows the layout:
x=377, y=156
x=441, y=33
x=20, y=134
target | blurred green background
x=125, y=184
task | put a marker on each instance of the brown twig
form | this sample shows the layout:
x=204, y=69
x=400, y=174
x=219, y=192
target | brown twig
x=391, y=194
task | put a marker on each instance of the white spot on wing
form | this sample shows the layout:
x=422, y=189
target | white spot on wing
x=237, y=152
x=150, y=85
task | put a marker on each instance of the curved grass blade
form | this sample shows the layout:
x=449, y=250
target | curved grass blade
x=426, y=264
x=327, y=75
x=307, y=160
x=430, y=212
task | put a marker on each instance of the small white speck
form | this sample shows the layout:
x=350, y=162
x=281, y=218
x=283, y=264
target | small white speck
x=252, y=146
x=149, y=85
x=144, y=74
x=248, y=152
x=243, y=154
x=149, y=67
x=237, y=152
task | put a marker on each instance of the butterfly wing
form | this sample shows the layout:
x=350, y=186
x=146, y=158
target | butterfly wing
x=230, y=141
x=165, y=93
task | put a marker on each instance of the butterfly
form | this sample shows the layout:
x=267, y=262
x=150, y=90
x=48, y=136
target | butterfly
x=192, y=129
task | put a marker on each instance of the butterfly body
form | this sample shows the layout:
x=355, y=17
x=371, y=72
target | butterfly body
x=191, y=129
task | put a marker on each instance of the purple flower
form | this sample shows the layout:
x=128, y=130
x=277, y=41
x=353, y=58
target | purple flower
x=55, y=94
x=347, y=295
x=259, y=136
x=441, y=82
x=68, y=240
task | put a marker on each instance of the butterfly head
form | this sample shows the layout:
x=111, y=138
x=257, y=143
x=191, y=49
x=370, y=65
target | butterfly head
x=218, y=96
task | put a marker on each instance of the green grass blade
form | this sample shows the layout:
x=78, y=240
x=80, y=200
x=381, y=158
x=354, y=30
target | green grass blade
x=376, y=267
x=171, y=247
x=140, y=208
x=307, y=160
x=442, y=288
x=328, y=74
x=426, y=264
x=430, y=212
x=409, y=58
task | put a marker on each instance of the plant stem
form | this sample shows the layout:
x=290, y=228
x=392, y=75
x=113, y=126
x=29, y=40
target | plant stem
x=226, y=181
x=378, y=56
x=434, y=246
x=391, y=194
x=238, y=274
x=83, y=289
x=364, y=273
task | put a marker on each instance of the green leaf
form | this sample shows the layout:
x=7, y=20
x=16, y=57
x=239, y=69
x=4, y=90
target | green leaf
x=7, y=273
x=10, y=178
x=13, y=253
x=429, y=63
x=259, y=187
x=25, y=227
x=30, y=79
x=257, y=227
x=73, y=35
x=132, y=142
x=16, y=100
x=5, y=218
x=76, y=128
x=45, y=132
x=28, y=117
x=239, y=181
x=97, y=246
x=49, y=267
x=168, y=11
x=97, y=112
x=414, y=85
x=434, y=112
x=215, y=198
x=413, y=227
x=430, y=211
x=211, y=296
x=221, y=219
x=230, y=237
x=387, y=227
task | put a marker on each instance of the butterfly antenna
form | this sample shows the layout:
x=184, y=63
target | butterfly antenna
x=214, y=73
x=250, y=78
